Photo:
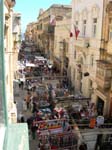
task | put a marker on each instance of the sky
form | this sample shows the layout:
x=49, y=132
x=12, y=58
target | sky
x=29, y=9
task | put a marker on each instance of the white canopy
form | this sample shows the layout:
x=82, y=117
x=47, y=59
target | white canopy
x=30, y=65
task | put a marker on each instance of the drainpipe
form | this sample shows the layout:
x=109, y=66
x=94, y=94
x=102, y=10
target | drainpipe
x=2, y=62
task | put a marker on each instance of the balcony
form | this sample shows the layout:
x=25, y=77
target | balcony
x=104, y=74
x=104, y=84
x=109, y=6
x=82, y=42
x=109, y=47
x=11, y=3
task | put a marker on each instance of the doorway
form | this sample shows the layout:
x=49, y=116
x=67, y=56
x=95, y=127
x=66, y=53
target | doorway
x=100, y=106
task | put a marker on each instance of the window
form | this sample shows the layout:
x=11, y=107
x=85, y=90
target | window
x=110, y=28
x=75, y=54
x=94, y=27
x=84, y=28
x=108, y=73
x=92, y=60
x=74, y=74
x=76, y=23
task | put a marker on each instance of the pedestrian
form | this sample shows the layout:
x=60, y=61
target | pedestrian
x=33, y=130
x=22, y=85
x=34, y=108
x=92, y=123
x=100, y=120
x=22, y=119
x=83, y=146
x=19, y=83
x=28, y=96
x=24, y=105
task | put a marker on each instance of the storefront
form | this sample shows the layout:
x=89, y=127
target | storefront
x=101, y=103
x=100, y=106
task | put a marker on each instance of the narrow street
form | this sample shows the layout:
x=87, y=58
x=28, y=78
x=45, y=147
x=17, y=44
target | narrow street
x=19, y=97
x=52, y=104
x=56, y=75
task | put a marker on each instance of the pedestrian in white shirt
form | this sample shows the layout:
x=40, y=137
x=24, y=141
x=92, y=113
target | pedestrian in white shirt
x=100, y=121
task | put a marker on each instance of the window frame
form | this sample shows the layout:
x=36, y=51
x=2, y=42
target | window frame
x=84, y=27
x=94, y=27
x=110, y=28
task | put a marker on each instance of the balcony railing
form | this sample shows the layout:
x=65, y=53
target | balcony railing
x=104, y=64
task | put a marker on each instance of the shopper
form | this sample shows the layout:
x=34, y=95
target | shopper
x=83, y=146
x=28, y=96
x=33, y=130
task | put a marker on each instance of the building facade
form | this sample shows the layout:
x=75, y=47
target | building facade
x=9, y=59
x=61, y=44
x=29, y=35
x=104, y=64
x=46, y=29
x=13, y=135
x=12, y=41
x=16, y=35
x=87, y=18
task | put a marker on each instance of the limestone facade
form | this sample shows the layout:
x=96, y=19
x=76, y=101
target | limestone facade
x=29, y=35
x=104, y=65
x=16, y=33
x=9, y=52
x=45, y=30
x=61, y=44
x=85, y=50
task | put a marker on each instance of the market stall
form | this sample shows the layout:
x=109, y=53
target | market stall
x=57, y=134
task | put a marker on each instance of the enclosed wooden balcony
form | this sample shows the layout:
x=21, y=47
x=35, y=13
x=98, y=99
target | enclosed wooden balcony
x=109, y=6
x=109, y=47
x=104, y=74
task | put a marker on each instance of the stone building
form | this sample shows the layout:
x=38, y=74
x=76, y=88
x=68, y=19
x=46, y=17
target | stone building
x=16, y=35
x=87, y=18
x=104, y=64
x=46, y=30
x=61, y=44
x=10, y=53
x=29, y=34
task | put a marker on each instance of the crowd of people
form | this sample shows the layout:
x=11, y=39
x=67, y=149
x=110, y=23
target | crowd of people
x=40, y=100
